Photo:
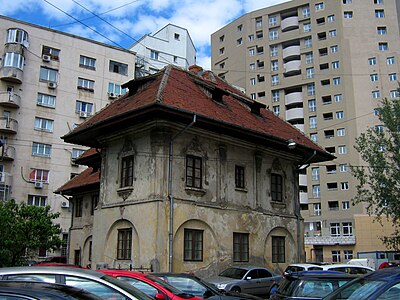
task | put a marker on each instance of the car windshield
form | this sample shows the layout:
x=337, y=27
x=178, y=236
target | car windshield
x=360, y=289
x=127, y=287
x=234, y=273
x=165, y=285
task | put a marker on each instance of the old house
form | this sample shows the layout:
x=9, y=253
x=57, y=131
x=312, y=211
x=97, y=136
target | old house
x=187, y=174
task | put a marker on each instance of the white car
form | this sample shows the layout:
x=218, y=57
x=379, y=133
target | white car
x=347, y=268
x=294, y=268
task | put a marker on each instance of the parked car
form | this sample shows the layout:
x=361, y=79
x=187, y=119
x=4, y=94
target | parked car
x=381, y=284
x=153, y=286
x=12, y=290
x=249, y=280
x=294, y=268
x=347, y=268
x=310, y=284
x=97, y=283
x=192, y=284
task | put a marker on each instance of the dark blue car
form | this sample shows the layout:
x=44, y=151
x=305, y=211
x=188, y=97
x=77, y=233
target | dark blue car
x=381, y=284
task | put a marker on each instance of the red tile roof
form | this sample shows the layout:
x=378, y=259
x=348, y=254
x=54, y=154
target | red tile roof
x=84, y=181
x=176, y=92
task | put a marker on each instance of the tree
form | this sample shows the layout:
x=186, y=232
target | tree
x=25, y=228
x=379, y=181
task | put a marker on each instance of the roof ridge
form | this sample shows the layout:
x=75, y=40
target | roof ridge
x=163, y=84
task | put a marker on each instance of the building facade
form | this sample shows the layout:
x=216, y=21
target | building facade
x=50, y=81
x=323, y=66
x=187, y=183
x=170, y=45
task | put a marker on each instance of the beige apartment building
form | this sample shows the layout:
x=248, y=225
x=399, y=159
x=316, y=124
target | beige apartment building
x=50, y=81
x=323, y=66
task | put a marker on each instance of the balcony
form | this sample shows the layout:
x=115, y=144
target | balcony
x=315, y=239
x=9, y=99
x=296, y=97
x=300, y=127
x=6, y=179
x=303, y=179
x=292, y=67
x=8, y=154
x=303, y=198
x=8, y=125
x=290, y=23
x=11, y=74
x=294, y=113
x=292, y=51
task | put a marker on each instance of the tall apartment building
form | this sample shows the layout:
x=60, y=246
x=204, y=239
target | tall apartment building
x=50, y=81
x=323, y=66
x=169, y=45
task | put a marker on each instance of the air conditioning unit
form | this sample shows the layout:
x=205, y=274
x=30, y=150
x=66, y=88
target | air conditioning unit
x=83, y=114
x=38, y=184
x=65, y=204
x=46, y=57
x=52, y=85
x=112, y=95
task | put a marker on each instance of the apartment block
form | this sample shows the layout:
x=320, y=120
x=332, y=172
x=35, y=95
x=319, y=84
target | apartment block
x=169, y=45
x=50, y=82
x=323, y=66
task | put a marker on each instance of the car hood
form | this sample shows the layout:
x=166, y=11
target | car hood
x=221, y=279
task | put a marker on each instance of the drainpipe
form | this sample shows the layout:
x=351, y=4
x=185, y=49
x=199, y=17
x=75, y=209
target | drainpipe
x=170, y=197
x=304, y=164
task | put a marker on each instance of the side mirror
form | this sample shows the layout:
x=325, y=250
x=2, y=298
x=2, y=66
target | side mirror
x=159, y=296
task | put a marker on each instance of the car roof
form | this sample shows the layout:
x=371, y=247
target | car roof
x=248, y=268
x=389, y=274
x=327, y=267
x=122, y=272
x=44, y=290
x=305, y=265
x=320, y=274
x=51, y=270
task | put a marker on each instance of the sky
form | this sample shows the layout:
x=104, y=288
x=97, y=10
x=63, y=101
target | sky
x=123, y=22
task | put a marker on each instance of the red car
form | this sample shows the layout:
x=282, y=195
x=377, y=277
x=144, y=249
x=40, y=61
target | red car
x=150, y=285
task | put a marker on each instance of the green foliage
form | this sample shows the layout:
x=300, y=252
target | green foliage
x=379, y=182
x=25, y=228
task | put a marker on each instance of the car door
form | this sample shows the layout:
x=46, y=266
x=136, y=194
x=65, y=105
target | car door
x=251, y=283
x=266, y=281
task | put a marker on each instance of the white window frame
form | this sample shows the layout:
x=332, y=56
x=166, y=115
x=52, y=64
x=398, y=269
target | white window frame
x=274, y=79
x=312, y=121
x=348, y=15
x=347, y=228
x=317, y=209
x=306, y=12
x=13, y=60
x=46, y=100
x=343, y=168
x=319, y=6
x=341, y=132
x=342, y=149
x=392, y=77
x=376, y=94
x=40, y=149
x=331, y=18
x=273, y=20
x=316, y=191
x=372, y=61
x=276, y=95
x=374, y=77
x=315, y=173
x=345, y=205
x=48, y=74
x=43, y=124
x=338, y=98
x=274, y=51
x=335, y=65
x=390, y=60
x=332, y=33
x=87, y=62
x=84, y=107
x=334, y=229
x=340, y=115
x=307, y=27
x=273, y=35
x=344, y=186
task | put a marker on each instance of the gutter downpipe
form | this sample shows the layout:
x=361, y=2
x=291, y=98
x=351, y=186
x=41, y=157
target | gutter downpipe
x=305, y=164
x=171, y=198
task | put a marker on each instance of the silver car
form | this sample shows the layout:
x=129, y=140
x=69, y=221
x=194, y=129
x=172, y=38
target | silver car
x=246, y=279
x=96, y=283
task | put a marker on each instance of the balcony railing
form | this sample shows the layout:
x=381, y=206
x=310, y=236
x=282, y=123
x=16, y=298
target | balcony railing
x=8, y=125
x=11, y=74
x=315, y=239
x=9, y=99
x=290, y=23
x=6, y=179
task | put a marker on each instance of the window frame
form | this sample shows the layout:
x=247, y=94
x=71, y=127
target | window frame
x=193, y=244
x=194, y=172
x=278, y=249
x=127, y=171
x=36, y=149
x=87, y=62
x=124, y=244
x=118, y=67
x=240, y=246
x=240, y=177
x=276, y=187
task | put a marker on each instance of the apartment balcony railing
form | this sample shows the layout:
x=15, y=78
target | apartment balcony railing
x=291, y=51
x=9, y=99
x=303, y=179
x=11, y=74
x=303, y=197
x=315, y=238
x=294, y=113
x=292, y=67
x=6, y=179
x=296, y=97
x=290, y=23
x=300, y=127
x=8, y=154
x=8, y=125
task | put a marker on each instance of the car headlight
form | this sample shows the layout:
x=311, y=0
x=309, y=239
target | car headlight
x=221, y=286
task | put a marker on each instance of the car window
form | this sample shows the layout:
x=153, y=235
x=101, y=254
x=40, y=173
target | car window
x=33, y=277
x=263, y=273
x=143, y=286
x=358, y=271
x=314, y=268
x=235, y=273
x=252, y=274
x=96, y=288
x=393, y=293
x=339, y=269
x=187, y=285
x=294, y=269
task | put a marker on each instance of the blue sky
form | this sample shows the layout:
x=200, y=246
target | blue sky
x=122, y=22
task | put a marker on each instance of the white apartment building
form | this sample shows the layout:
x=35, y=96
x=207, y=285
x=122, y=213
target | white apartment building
x=323, y=66
x=170, y=45
x=50, y=81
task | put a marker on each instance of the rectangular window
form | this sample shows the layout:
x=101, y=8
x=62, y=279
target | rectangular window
x=348, y=254
x=394, y=94
x=39, y=149
x=347, y=228
x=315, y=173
x=373, y=77
x=278, y=249
x=314, y=137
x=390, y=60
x=154, y=54
x=78, y=205
x=331, y=18
x=85, y=84
x=193, y=245
x=310, y=72
x=15, y=35
x=342, y=149
x=273, y=35
x=64, y=244
x=240, y=247
x=309, y=58
x=94, y=203
x=381, y=30
x=312, y=105
x=341, y=132
x=36, y=200
x=307, y=27
x=252, y=81
x=338, y=97
x=316, y=191
x=348, y=15
x=311, y=89
x=274, y=79
x=115, y=89
x=335, y=229
x=334, y=48
x=345, y=205
x=372, y=61
x=336, y=81
x=317, y=209
x=239, y=177
x=117, y=67
x=194, y=171
x=273, y=21
x=335, y=65
x=87, y=62
x=76, y=153
x=379, y=13
x=222, y=51
x=319, y=6
x=312, y=121
x=276, y=109
x=308, y=42
x=332, y=33
x=14, y=60
x=53, y=53
x=343, y=168
x=376, y=94
x=393, y=77
x=383, y=46
x=48, y=75
x=124, y=244
x=83, y=107
x=44, y=124
x=276, y=187
x=275, y=96
x=339, y=114
x=344, y=186
x=274, y=65
x=336, y=256
x=46, y=100
x=127, y=171
x=39, y=175
x=306, y=12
